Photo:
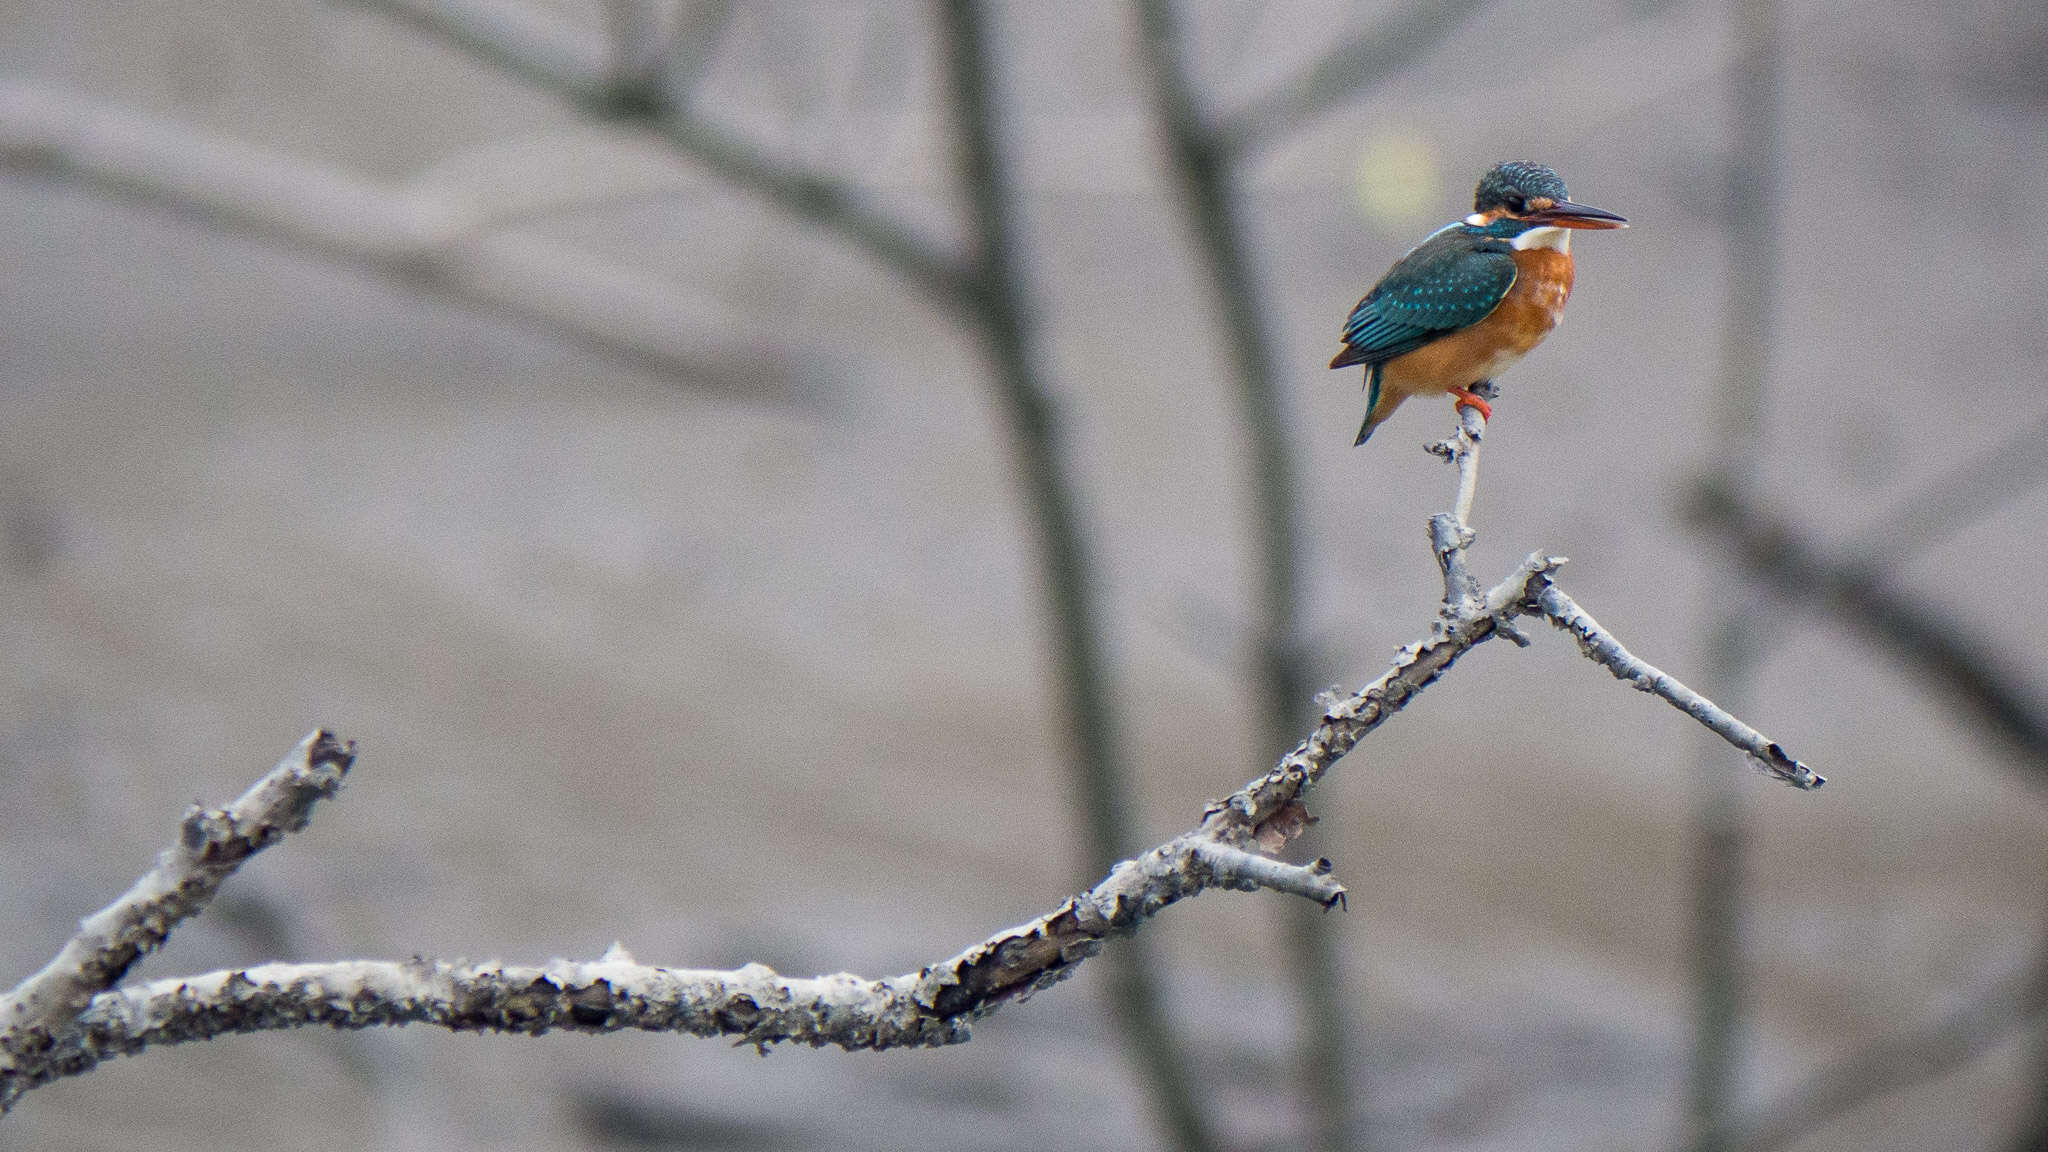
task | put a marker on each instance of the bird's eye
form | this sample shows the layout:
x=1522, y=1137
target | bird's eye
x=1517, y=205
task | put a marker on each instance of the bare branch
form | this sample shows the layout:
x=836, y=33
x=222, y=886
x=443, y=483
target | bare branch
x=1236, y=868
x=1354, y=65
x=1451, y=538
x=1602, y=648
x=926, y=1008
x=211, y=844
x=553, y=57
x=932, y=1006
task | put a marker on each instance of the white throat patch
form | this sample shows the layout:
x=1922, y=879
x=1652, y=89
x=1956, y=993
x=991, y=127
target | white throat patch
x=1554, y=238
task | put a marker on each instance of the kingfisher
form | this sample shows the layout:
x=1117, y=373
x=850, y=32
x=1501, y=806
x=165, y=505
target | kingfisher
x=1471, y=299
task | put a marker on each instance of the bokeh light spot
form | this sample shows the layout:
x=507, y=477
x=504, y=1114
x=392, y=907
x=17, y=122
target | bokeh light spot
x=1398, y=187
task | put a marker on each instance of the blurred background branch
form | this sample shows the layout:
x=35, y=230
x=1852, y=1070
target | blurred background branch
x=430, y=242
x=1964, y=495
x=1851, y=589
x=554, y=56
x=1282, y=679
x=1897, y=1062
x=1100, y=778
x=1735, y=639
x=1343, y=71
x=1942, y=651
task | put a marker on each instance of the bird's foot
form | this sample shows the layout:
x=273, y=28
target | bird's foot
x=1469, y=399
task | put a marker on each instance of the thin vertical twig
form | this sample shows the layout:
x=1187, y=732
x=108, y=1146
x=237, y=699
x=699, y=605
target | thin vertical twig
x=1201, y=167
x=1451, y=533
x=1471, y=430
x=1094, y=750
x=1733, y=640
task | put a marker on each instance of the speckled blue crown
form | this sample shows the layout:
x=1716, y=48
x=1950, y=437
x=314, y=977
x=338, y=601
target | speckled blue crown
x=1516, y=178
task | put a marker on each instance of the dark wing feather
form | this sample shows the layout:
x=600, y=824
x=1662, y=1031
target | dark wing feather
x=1450, y=281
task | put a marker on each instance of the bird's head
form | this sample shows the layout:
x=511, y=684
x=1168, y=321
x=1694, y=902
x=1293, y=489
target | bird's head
x=1517, y=196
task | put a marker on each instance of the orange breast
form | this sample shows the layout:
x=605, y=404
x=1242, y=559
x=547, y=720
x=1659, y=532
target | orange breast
x=1543, y=282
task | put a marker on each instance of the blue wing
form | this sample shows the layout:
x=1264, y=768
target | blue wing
x=1450, y=281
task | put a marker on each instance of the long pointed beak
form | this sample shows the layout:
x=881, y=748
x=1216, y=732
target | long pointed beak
x=1566, y=214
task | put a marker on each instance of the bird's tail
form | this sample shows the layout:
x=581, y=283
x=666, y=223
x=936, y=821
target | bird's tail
x=1372, y=401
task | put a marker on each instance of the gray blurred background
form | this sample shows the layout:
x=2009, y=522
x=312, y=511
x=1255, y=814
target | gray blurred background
x=665, y=553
